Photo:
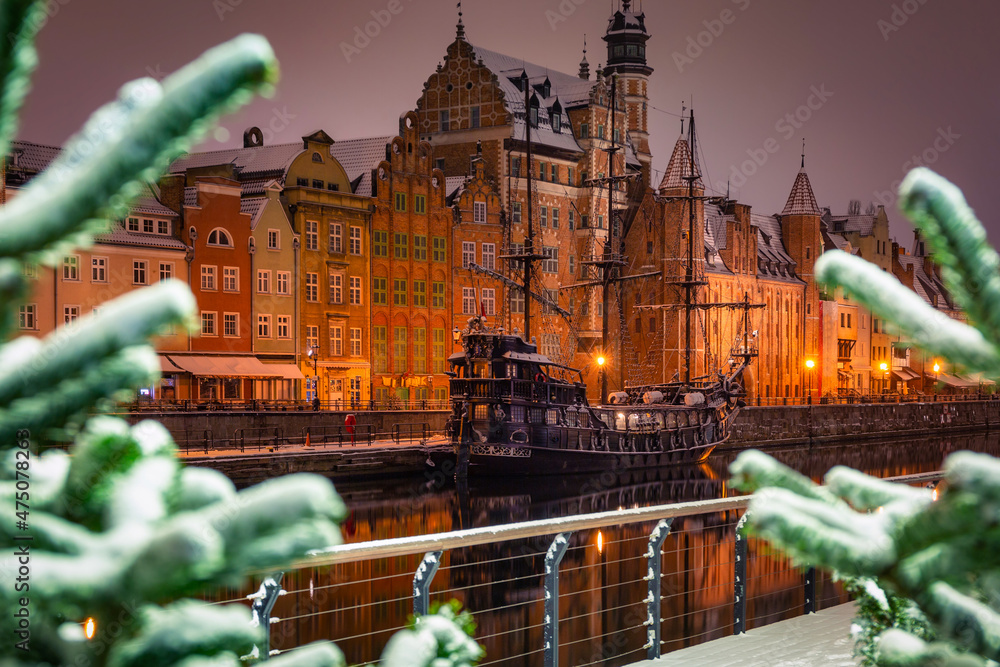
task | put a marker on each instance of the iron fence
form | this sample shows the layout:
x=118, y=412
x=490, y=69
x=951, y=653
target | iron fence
x=263, y=405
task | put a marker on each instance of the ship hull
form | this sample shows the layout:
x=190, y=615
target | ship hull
x=491, y=460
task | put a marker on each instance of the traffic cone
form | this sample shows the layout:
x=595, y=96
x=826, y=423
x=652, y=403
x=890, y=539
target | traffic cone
x=308, y=442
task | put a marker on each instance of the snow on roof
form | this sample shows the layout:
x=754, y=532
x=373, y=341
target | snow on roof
x=31, y=157
x=801, y=200
x=359, y=157
x=251, y=160
x=118, y=235
x=253, y=206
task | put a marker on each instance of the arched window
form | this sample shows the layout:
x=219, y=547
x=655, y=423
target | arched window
x=220, y=237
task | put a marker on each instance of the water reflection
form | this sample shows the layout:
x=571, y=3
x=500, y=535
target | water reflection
x=359, y=605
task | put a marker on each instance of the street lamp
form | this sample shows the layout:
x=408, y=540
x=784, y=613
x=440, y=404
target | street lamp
x=313, y=354
x=604, y=378
x=937, y=371
x=810, y=365
x=884, y=367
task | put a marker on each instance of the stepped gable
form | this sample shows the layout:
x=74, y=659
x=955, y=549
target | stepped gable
x=801, y=200
x=679, y=168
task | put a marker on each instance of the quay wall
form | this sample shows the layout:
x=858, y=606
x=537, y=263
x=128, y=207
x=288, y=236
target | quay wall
x=826, y=423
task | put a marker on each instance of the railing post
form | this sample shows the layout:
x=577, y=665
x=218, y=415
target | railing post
x=422, y=582
x=810, y=591
x=653, y=612
x=553, y=557
x=263, y=604
x=740, y=578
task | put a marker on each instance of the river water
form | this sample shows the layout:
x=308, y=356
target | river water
x=360, y=605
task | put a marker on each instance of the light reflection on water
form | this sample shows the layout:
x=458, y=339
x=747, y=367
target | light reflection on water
x=601, y=592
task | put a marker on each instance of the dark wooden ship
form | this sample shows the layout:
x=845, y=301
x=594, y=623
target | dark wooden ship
x=515, y=411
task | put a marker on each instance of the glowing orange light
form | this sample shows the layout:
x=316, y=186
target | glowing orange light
x=937, y=368
x=600, y=361
x=600, y=542
x=810, y=364
x=884, y=366
x=89, y=627
x=934, y=495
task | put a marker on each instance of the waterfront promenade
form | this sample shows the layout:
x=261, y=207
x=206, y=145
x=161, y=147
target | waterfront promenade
x=822, y=638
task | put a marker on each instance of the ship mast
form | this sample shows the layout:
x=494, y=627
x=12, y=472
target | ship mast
x=689, y=276
x=529, y=240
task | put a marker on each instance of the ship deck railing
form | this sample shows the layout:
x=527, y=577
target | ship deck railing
x=642, y=581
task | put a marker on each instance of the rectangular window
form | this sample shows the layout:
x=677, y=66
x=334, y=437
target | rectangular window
x=474, y=118
x=468, y=301
x=355, y=240
x=420, y=248
x=543, y=216
x=381, y=353
x=312, y=287
x=440, y=249
x=555, y=218
x=317, y=184
x=468, y=253
x=381, y=244
x=337, y=288
x=517, y=301
x=70, y=314
x=439, y=163
x=401, y=201
x=71, y=267
x=312, y=338
x=263, y=281
x=437, y=295
x=490, y=256
x=337, y=341
x=336, y=237
x=263, y=326
x=555, y=173
x=312, y=235
x=600, y=131
x=553, y=296
x=489, y=301
x=600, y=222
x=551, y=263
x=572, y=220
x=273, y=239
x=99, y=269
x=584, y=131
x=420, y=350
x=515, y=167
x=584, y=221
x=355, y=291
x=515, y=212
x=399, y=292
x=572, y=265
x=569, y=175
x=147, y=226
x=133, y=224
x=444, y=120
x=479, y=212
x=541, y=171
x=139, y=272
x=420, y=204
x=166, y=270
x=230, y=279
x=355, y=342
x=208, y=324
x=27, y=316
x=380, y=292
x=284, y=282
x=399, y=349
x=284, y=326
x=400, y=246
x=437, y=350
x=231, y=324
x=420, y=293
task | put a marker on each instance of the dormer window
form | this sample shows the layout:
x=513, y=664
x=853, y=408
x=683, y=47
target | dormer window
x=220, y=237
x=533, y=112
x=317, y=158
x=557, y=123
x=546, y=88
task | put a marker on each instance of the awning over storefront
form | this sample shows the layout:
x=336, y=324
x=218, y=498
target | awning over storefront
x=288, y=371
x=905, y=374
x=953, y=381
x=979, y=379
x=168, y=367
x=205, y=366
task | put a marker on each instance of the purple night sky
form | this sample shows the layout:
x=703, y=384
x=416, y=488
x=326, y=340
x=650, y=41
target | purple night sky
x=899, y=78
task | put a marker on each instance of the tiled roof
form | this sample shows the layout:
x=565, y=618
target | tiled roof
x=860, y=224
x=777, y=263
x=253, y=206
x=255, y=186
x=253, y=160
x=32, y=157
x=801, y=200
x=358, y=157
x=191, y=196
x=679, y=168
x=453, y=185
x=120, y=236
x=926, y=286
x=715, y=227
x=147, y=203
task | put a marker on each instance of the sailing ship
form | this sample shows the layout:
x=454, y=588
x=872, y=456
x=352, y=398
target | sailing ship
x=516, y=411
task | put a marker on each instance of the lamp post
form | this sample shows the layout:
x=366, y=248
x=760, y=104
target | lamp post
x=810, y=365
x=604, y=378
x=312, y=353
x=937, y=371
x=884, y=367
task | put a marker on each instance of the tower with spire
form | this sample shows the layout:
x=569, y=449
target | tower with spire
x=626, y=38
x=800, y=230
